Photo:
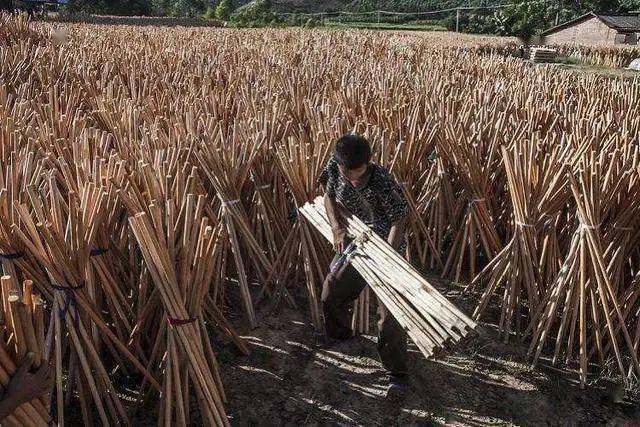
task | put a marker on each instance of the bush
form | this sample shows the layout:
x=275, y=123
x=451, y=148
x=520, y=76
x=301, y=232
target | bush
x=224, y=10
x=109, y=7
x=210, y=13
x=292, y=20
x=256, y=13
x=311, y=22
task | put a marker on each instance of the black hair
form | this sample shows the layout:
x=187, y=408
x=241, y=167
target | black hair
x=352, y=151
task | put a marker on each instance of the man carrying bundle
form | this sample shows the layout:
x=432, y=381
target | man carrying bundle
x=356, y=186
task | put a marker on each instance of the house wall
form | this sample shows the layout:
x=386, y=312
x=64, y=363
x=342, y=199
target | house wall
x=590, y=32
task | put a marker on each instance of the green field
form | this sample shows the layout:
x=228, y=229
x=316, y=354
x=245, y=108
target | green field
x=386, y=26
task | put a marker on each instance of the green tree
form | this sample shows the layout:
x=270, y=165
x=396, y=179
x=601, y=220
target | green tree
x=224, y=10
x=527, y=18
x=112, y=7
x=629, y=5
x=311, y=23
x=6, y=5
x=141, y=7
x=253, y=14
x=161, y=7
x=187, y=8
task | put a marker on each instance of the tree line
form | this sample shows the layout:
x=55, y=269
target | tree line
x=524, y=18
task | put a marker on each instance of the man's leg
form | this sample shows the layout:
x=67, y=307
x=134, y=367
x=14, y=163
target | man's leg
x=338, y=294
x=392, y=346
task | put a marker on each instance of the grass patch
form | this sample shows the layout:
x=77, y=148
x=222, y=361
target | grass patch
x=386, y=26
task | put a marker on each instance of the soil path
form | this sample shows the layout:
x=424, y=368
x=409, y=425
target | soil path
x=287, y=381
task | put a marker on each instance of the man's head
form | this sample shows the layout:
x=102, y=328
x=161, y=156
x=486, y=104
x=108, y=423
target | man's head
x=353, y=153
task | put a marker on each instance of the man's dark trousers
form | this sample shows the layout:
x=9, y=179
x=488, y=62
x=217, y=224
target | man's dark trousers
x=338, y=295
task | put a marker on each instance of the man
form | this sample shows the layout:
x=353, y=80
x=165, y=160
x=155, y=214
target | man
x=25, y=386
x=356, y=186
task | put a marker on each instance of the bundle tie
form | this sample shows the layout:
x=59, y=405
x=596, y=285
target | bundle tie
x=14, y=255
x=173, y=321
x=293, y=215
x=623, y=228
x=264, y=187
x=98, y=251
x=474, y=201
x=69, y=301
x=405, y=183
x=231, y=202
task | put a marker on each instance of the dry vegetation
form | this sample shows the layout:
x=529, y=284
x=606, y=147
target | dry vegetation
x=150, y=178
x=618, y=57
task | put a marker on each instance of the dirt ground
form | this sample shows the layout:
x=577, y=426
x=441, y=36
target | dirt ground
x=287, y=381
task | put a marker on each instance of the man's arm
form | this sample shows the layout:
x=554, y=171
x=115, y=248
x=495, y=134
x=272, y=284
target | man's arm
x=337, y=223
x=396, y=233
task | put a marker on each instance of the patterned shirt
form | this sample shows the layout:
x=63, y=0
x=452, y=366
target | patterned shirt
x=379, y=204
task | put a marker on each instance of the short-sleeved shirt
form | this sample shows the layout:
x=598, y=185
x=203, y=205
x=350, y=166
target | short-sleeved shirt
x=379, y=204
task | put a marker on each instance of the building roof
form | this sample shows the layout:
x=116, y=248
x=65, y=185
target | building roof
x=624, y=23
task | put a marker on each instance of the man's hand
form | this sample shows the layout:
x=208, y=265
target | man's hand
x=26, y=386
x=396, y=233
x=339, y=236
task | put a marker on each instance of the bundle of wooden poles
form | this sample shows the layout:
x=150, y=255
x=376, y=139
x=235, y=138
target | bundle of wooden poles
x=151, y=180
x=23, y=332
x=431, y=321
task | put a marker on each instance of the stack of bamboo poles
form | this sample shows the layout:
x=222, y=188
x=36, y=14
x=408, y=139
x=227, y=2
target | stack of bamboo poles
x=301, y=163
x=537, y=195
x=516, y=263
x=16, y=28
x=19, y=170
x=227, y=171
x=411, y=162
x=60, y=236
x=188, y=359
x=584, y=299
x=430, y=320
x=437, y=205
x=237, y=126
x=474, y=165
x=23, y=332
x=182, y=250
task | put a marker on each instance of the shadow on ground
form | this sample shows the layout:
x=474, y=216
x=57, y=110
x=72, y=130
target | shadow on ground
x=285, y=381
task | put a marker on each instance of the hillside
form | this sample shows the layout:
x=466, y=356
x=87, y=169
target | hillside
x=368, y=5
